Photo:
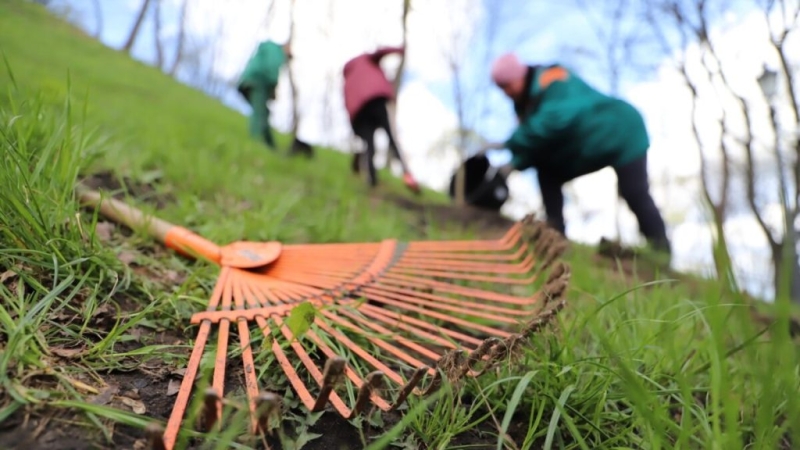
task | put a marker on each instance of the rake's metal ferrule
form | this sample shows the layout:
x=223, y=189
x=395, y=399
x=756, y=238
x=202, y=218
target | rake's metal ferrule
x=373, y=382
x=331, y=376
x=267, y=405
x=481, y=354
x=410, y=386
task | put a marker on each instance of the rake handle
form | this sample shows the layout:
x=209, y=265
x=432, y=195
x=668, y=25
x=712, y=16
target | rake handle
x=173, y=236
x=125, y=214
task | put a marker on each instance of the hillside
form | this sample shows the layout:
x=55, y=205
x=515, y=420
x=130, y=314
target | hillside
x=94, y=319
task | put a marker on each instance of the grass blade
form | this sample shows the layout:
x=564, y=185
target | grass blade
x=519, y=390
x=554, y=419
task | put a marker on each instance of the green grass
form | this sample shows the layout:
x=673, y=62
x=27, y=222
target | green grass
x=672, y=364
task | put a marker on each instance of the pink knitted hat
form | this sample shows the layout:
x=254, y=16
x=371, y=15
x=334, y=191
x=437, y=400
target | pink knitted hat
x=507, y=68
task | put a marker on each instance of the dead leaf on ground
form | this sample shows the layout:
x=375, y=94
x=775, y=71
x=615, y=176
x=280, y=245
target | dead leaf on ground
x=135, y=405
x=174, y=277
x=105, y=396
x=173, y=387
x=103, y=230
x=63, y=316
x=7, y=275
x=105, y=314
x=179, y=372
x=132, y=393
x=68, y=353
x=78, y=384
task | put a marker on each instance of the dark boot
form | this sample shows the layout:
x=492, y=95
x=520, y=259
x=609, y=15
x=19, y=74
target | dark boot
x=356, y=164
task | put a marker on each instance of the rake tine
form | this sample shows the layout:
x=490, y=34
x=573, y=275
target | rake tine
x=544, y=317
x=478, y=355
x=211, y=409
x=331, y=376
x=436, y=383
x=250, y=378
x=373, y=382
x=560, y=271
x=505, y=348
x=267, y=404
x=552, y=254
x=409, y=387
x=348, y=372
x=155, y=433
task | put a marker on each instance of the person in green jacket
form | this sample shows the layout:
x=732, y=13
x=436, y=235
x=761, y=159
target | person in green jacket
x=568, y=129
x=258, y=83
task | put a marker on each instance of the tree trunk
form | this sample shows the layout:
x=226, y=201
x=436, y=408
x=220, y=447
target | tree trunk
x=292, y=83
x=181, y=39
x=398, y=76
x=391, y=107
x=786, y=278
x=791, y=207
x=720, y=249
x=98, y=16
x=136, y=26
x=159, y=45
x=461, y=176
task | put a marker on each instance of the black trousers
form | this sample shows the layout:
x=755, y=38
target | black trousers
x=372, y=116
x=633, y=187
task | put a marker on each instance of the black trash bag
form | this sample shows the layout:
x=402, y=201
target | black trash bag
x=484, y=186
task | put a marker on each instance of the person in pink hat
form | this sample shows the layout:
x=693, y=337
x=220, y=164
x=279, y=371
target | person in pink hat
x=366, y=94
x=568, y=129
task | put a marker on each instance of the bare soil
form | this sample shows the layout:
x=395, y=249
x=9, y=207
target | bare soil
x=489, y=224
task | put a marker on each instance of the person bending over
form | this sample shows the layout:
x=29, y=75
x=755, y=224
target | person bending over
x=568, y=129
x=366, y=94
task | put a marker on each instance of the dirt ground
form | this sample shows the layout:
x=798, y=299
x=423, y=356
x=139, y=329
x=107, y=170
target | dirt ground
x=489, y=224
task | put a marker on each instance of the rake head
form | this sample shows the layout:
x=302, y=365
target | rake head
x=402, y=312
x=390, y=319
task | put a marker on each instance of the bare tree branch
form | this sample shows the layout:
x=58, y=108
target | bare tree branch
x=292, y=82
x=687, y=33
x=137, y=24
x=398, y=75
x=98, y=16
x=159, y=44
x=180, y=41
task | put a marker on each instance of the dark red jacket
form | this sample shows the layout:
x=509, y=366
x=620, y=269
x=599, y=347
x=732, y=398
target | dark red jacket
x=364, y=80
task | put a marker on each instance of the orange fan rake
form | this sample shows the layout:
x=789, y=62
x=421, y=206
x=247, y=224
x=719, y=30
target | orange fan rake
x=402, y=312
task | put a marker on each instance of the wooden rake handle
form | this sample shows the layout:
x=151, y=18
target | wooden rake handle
x=173, y=236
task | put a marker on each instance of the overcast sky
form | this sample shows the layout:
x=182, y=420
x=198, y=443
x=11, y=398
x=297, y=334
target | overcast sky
x=329, y=33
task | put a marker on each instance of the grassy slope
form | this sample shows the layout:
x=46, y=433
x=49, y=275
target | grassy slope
x=670, y=365
x=155, y=124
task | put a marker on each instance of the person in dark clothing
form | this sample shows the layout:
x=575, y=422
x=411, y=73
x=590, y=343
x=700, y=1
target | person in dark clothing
x=370, y=118
x=257, y=84
x=566, y=130
x=366, y=94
